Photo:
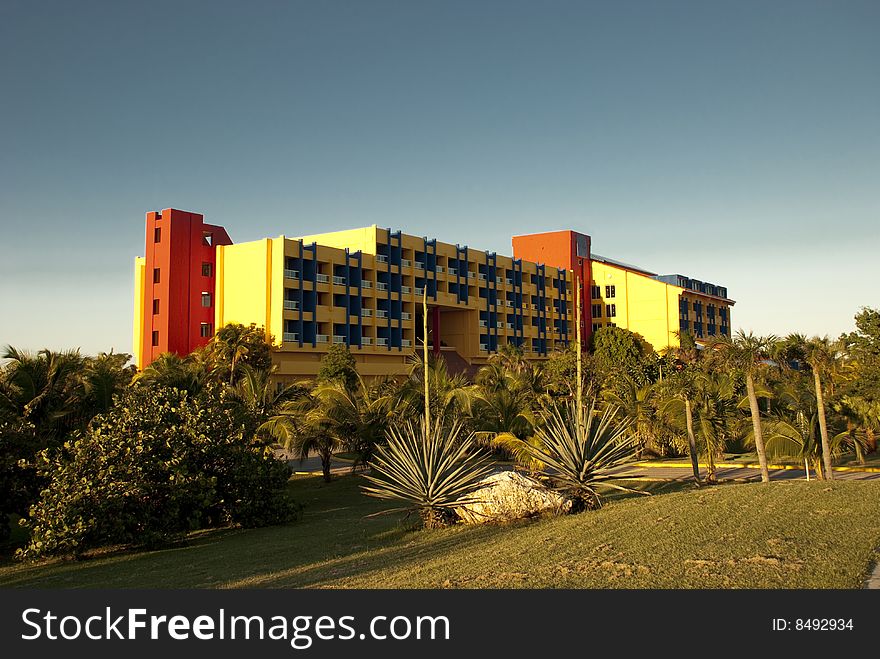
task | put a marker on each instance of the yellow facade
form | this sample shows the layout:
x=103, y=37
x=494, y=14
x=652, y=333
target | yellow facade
x=370, y=297
x=657, y=310
x=140, y=265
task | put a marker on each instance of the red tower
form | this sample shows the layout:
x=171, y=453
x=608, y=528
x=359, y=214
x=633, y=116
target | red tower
x=178, y=283
x=563, y=249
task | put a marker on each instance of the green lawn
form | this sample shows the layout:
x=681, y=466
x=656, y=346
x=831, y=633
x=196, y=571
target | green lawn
x=787, y=534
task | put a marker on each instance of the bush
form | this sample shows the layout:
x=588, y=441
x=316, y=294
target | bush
x=158, y=465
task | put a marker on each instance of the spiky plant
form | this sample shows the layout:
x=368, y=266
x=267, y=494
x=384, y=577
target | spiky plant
x=579, y=448
x=429, y=468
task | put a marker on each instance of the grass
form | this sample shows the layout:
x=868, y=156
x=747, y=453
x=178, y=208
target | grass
x=787, y=534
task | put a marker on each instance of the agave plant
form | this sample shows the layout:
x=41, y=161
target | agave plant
x=580, y=447
x=429, y=468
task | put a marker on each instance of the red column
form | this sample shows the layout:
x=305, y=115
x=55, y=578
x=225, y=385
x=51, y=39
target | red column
x=435, y=329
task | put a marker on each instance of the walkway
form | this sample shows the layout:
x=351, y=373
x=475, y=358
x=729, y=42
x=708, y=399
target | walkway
x=733, y=471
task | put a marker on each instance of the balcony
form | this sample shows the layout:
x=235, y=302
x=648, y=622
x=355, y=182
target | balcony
x=406, y=290
x=471, y=275
x=480, y=276
x=381, y=258
x=406, y=343
x=381, y=313
x=498, y=280
x=291, y=305
x=439, y=268
x=508, y=281
x=483, y=323
x=322, y=338
x=419, y=265
x=322, y=279
x=484, y=347
x=366, y=341
x=420, y=291
x=339, y=281
x=290, y=337
x=366, y=283
x=291, y=274
x=380, y=286
x=366, y=313
x=406, y=263
x=453, y=271
x=380, y=341
x=405, y=315
x=509, y=325
x=509, y=303
x=338, y=338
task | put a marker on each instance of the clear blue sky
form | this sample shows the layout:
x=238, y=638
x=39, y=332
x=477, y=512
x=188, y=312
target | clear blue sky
x=737, y=142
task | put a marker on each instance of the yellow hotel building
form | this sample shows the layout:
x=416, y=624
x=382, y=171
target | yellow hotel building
x=364, y=287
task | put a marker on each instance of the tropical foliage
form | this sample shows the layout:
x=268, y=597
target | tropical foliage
x=812, y=401
x=432, y=470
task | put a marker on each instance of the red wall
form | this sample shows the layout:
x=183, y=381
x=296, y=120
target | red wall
x=559, y=249
x=179, y=255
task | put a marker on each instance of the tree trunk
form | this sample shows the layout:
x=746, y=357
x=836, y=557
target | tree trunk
x=711, y=476
x=756, y=425
x=823, y=427
x=325, y=466
x=692, y=440
x=807, y=467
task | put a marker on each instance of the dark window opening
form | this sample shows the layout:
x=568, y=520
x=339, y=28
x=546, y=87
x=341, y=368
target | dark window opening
x=206, y=299
x=611, y=310
x=206, y=330
x=155, y=307
x=157, y=235
x=155, y=275
x=610, y=291
x=207, y=269
x=208, y=238
x=155, y=338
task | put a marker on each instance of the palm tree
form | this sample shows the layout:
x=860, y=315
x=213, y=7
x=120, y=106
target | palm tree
x=822, y=355
x=42, y=389
x=451, y=396
x=744, y=352
x=333, y=416
x=263, y=404
x=635, y=402
x=171, y=370
x=794, y=429
x=680, y=391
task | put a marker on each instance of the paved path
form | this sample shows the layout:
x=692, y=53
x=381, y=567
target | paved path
x=748, y=473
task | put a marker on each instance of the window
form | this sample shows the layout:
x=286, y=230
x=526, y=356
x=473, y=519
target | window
x=595, y=292
x=611, y=310
x=206, y=299
x=597, y=311
x=206, y=330
x=610, y=291
x=208, y=238
x=155, y=275
x=155, y=307
x=157, y=235
x=155, y=337
x=207, y=269
x=595, y=327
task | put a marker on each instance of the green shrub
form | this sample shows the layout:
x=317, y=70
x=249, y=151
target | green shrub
x=432, y=470
x=158, y=465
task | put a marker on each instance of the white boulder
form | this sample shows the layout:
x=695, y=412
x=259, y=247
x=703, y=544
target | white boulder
x=508, y=495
